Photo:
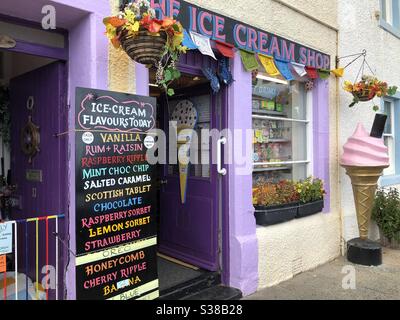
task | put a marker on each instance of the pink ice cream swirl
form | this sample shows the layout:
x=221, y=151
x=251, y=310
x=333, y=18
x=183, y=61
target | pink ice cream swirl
x=362, y=150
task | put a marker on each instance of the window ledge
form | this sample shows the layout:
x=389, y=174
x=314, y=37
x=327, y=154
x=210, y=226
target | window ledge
x=388, y=181
x=389, y=28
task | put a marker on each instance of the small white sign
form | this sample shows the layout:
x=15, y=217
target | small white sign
x=5, y=238
x=88, y=138
x=149, y=142
x=123, y=284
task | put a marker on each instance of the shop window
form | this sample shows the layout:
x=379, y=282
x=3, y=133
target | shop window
x=391, y=107
x=282, y=130
x=390, y=16
x=388, y=109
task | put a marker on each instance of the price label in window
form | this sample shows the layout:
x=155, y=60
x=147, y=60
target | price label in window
x=5, y=238
x=3, y=264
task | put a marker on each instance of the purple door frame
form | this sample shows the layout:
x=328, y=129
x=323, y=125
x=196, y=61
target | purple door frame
x=202, y=207
x=142, y=88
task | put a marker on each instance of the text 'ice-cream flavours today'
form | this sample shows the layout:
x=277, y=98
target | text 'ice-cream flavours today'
x=362, y=150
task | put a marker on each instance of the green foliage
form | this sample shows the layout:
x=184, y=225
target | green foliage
x=386, y=212
x=5, y=117
x=310, y=190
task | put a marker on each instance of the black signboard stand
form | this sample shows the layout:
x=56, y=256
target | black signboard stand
x=115, y=197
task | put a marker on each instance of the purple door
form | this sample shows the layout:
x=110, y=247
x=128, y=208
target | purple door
x=39, y=96
x=189, y=232
x=42, y=181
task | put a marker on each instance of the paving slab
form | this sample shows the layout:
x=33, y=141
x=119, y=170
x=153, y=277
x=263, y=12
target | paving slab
x=326, y=282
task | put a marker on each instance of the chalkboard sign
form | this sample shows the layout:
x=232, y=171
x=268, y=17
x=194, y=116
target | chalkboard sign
x=115, y=196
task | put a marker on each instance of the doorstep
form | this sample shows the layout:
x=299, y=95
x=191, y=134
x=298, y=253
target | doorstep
x=205, y=287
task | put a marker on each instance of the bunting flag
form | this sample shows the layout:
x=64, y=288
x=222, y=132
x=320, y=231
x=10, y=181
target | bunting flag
x=324, y=74
x=187, y=41
x=338, y=72
x=226, y=49
x=283, y=67
x=203, y=43
x=269, y=65
x=249, y=60
x=300, y=69
x=312, y=73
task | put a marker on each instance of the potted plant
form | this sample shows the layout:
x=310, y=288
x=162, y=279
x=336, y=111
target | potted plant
x=311, y=194
x=367, y=89
x=275, y=203
x=148, y=40
x=386, y=213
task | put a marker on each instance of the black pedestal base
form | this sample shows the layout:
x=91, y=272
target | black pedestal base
x=364, y=252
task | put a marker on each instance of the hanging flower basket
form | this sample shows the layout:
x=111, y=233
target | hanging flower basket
x=367, y=89
x=144, y=48
x=148, y=40
x=364, y=96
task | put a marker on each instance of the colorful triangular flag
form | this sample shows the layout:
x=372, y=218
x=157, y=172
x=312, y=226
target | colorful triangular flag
x=312, y=73
x=249, y=60
x=187, y=41
x=203, y=43
x=283, y=67
x=226, y=49
x=300, y=69
x=269, y=65
x=324, y=74
x=339, y=72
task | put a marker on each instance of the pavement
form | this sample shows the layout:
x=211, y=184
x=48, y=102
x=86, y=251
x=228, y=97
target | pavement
x=326, y=282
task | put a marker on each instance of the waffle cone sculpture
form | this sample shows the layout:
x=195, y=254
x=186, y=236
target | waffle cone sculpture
x=364, y=159
x=364, y=181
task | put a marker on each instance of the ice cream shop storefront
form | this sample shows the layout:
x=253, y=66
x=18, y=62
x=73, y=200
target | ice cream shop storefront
x=204, y=175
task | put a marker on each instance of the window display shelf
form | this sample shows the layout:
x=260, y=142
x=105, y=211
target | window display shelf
x=260, y=117
x=269, y=113
x=260, y=170
x=275, y=141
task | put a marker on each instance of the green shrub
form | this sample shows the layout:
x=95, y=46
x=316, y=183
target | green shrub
x=386, y=212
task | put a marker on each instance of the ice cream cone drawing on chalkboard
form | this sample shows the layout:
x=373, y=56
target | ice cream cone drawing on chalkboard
x=185, y=115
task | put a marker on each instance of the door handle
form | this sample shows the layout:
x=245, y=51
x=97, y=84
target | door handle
x=220, y=143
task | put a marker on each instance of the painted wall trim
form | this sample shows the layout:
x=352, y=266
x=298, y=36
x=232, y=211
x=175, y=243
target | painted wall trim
x=392, y=30
x=243, y=241
x=321, y=136
x=40, y=50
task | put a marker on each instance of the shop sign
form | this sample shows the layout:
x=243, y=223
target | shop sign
x=115, y=197
x=243, y=36
x=6, y=235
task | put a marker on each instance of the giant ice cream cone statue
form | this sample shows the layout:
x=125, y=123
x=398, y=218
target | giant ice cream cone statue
x=364, y=159
x=185, y=115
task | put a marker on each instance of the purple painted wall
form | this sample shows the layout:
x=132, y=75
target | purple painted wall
x=321, y=135
x=243, y=242
x=88, y=67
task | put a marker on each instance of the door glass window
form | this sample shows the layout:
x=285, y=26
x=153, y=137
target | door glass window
x=200, y=167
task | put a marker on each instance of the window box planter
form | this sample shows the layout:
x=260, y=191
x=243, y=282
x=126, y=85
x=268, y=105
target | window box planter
x=308, y=209
x=268, y=216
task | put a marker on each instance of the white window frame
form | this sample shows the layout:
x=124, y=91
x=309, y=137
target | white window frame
x=308, y=122
x=392, y=139
x=389, y=13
